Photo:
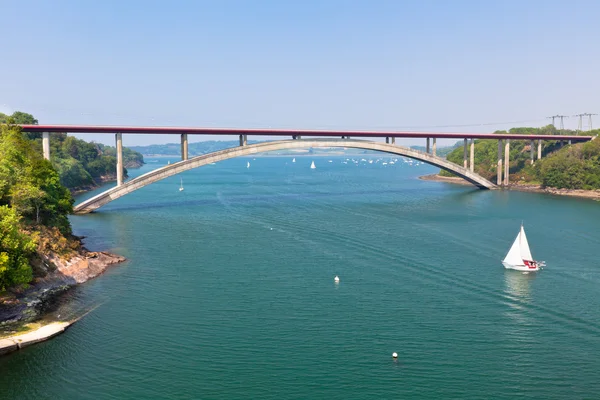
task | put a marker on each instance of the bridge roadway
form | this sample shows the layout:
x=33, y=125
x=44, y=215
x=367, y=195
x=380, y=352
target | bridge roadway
x=503, y=139
x=246, y=150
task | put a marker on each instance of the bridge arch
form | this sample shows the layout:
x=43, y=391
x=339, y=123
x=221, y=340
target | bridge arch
x=240, y=151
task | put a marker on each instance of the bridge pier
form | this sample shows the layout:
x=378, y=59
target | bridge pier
x=539, y=149
x=472, y=158
x=531, y=150
x=499, y=166
x=393, y=140
x=243, y=140
x=434, y=148
x=119, y=147
x=506, y=161
x=465, y=162
x=427, y=146
x=46, y=145
x=184, y=146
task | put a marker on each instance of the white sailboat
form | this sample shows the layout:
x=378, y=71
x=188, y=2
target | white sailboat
x=519, y=256
x=248, y=164
x=181, y=187
x=294, y=159
x=312, y=165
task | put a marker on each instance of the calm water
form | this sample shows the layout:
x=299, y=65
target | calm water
x=229, y=293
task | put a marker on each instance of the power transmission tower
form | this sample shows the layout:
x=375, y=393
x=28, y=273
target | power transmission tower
x=580, y=122
x=553, y=118
x=562, y=124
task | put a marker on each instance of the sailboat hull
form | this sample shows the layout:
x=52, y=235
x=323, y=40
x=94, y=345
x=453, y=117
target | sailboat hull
x=520, y=267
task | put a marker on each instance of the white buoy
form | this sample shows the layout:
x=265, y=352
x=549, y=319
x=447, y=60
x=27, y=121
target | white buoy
x=395, y=355
x=336, y=279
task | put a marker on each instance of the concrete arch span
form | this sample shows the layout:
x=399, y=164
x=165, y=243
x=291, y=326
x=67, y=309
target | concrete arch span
x=240, y=151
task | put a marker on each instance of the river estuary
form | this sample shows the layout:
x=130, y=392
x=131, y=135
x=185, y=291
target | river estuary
x=229, y=292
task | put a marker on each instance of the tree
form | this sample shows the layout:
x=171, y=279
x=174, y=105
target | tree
x=15, y=250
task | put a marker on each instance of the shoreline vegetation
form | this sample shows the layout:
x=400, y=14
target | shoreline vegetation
x=40, y=258
x=522, y=187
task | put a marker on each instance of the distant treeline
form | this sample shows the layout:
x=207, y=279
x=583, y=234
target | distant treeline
x=80, y=165
x=562, y=166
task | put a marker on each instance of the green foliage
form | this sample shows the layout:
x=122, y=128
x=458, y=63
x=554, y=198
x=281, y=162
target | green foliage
x=15, y=249
x=30, y=184
x=572, y=167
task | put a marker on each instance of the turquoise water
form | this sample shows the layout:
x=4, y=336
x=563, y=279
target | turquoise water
x=228, y=291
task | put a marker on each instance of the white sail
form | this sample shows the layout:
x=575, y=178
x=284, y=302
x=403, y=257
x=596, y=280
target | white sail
x=312, y=165
x=248, y=165
x=294, y=159
x=513, y=257
x=181, y=187
x=524, y=245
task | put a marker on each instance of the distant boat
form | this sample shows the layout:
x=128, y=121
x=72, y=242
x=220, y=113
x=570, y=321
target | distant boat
x=312, y=165
x=168, y=162
x=294, y=159
x=181, y=187
x=248, y=164
x=519, y=256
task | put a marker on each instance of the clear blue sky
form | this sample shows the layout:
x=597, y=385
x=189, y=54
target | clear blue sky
x=303, y=64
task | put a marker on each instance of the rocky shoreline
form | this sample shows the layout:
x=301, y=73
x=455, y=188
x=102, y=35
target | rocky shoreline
x=584, y=194
x=18, y=308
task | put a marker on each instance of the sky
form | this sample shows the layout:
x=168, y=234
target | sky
x=449, y=66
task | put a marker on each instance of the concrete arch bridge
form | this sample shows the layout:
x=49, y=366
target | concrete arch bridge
x=246, y=150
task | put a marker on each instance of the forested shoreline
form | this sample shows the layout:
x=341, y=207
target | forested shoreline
x=562, y=166
x=80, y=165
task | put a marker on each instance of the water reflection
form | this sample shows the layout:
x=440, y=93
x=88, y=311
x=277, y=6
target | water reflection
x=517, y=283
x=518, y=292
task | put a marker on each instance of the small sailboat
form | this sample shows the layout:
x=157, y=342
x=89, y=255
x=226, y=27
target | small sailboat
x=519, y=256
x=294, y=159
x=312, y=165
x=181, y=187
x=248, y=164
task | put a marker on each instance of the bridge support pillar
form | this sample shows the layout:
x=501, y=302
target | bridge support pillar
x=387, y=139
x=472, y=157
x=539, y=149
x=499, y=166
x=427, y=146
x=184, y=146
x=393, y=140
x=465, y=160
x=506, y=161
x=434, y=148
x=119, y=146
x=46, y=145
x=243, y=140
x=532, y=150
